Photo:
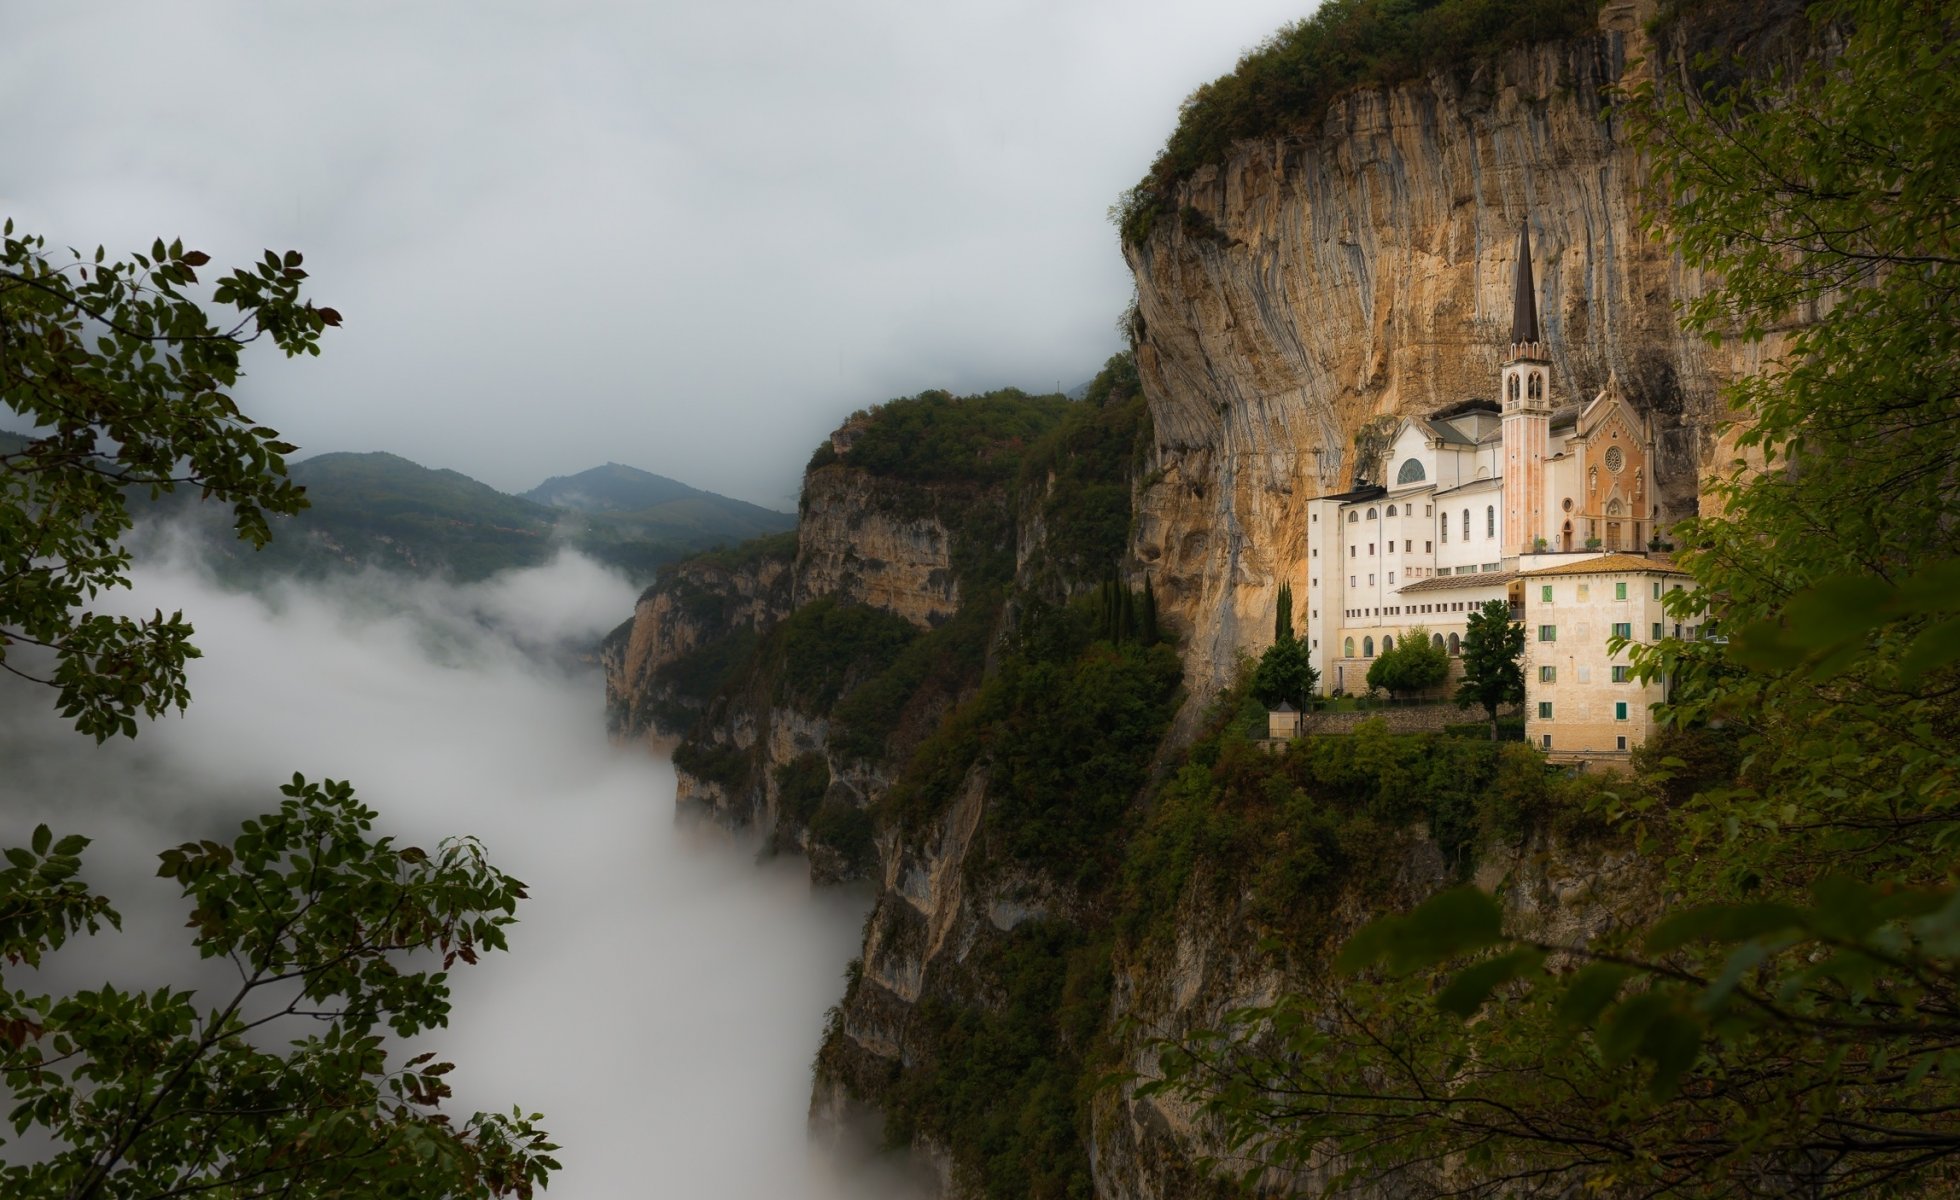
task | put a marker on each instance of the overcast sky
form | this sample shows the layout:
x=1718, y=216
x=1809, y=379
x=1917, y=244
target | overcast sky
x=690, y=237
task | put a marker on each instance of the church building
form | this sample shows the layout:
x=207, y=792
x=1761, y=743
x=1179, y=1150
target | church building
x=1474, y=495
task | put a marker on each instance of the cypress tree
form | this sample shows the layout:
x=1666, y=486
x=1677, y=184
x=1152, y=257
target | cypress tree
x=1150, y=635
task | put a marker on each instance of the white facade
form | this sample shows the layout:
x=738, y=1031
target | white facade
x=1467, y=492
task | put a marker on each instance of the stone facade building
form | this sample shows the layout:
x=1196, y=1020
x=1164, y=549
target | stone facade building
x=1475, y=497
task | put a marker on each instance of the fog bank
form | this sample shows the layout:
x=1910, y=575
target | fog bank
x=664, y=993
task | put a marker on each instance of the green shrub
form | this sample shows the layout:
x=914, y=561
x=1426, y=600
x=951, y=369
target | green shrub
x=1509, y=729
x=800, y=786
x=826, y=646
x=715, y=762
x=701, y=673
x=936, y=436
x=849, y=830
x=1004, y=1084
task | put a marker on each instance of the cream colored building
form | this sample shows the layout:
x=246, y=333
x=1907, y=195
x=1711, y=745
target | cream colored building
x=1582, y=701
x=1469, y=492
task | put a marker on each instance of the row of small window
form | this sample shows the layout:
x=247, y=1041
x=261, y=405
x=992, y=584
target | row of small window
x=1621, y=674
x=1619, y=712
x=1490, y=519
x=1454, y=645
x=1408, y=547
x=1621, y=629
x=1355, y=514
x=1585, y=591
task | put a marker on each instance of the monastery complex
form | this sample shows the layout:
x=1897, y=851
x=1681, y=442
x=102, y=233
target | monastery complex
x=1548, y=507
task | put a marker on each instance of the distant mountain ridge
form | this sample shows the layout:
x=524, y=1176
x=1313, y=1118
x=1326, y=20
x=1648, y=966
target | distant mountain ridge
x=380, y=509
x=619, y=489
x=611, y=488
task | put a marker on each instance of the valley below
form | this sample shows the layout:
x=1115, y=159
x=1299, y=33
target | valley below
x=664, y=991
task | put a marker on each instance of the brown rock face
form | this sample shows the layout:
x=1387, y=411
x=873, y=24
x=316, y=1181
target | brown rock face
x=700, y=601
x=1370, y=272
x=877, y=542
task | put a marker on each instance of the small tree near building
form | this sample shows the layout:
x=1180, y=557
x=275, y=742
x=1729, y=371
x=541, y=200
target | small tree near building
x=1493, y=661
x=1413, y=665
x=1286, y=673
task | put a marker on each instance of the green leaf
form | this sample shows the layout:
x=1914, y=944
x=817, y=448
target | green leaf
x=1446, y=924
x=1466, y=993
x=1591, y=989
x=1722, y=923
x=43, y=838
x=1672, y=1042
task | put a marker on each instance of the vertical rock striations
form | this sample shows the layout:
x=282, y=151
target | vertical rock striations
x=1317, y=283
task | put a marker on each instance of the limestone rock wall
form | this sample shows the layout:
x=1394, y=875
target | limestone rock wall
x=701, y=600
x=877, y=542
x=1367, y=271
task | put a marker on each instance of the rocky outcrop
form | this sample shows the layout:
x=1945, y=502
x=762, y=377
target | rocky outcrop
x=1322, y=282
x=875, y=541
x=1144, y=1147
x=699, y=601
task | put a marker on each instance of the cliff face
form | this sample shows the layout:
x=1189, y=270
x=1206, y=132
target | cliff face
x=1313, y=286
x=699, y=602
x=872, y=541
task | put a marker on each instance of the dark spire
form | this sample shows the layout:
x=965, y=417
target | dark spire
x=1524, y=307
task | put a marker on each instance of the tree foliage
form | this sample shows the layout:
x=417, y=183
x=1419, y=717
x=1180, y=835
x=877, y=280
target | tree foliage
x=1787, y=1023
x=1285, y=674
x=165, y=1093
x=123, y=379
x=1413, y=664
x=1493, y=661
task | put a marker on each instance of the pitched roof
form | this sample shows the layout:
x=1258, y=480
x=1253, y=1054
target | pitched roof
x=1443, y=431
x=1524, y=296
x=1450, y=583
x=1617, y=562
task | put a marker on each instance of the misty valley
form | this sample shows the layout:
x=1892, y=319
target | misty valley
x=665, y=989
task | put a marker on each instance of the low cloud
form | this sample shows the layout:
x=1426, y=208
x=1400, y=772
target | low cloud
x=664, y=993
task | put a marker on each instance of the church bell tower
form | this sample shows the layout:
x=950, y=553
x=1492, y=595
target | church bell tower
x=1527, y=386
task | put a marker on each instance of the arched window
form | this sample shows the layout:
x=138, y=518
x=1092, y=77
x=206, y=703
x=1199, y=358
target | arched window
x=1367, y=647
x=1511, y=388
x=1445, y=525
x=1347, y=648
x=1536, y=388
x=1388, y=643
x=1372, y=514
x=1391, y=510
x=1411, y=471
x=1436, y=639
x=1353, y=517
x=1466, y=524
x=1456, y=647
x=1490, y=520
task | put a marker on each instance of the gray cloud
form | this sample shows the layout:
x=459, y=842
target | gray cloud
x=686, y=236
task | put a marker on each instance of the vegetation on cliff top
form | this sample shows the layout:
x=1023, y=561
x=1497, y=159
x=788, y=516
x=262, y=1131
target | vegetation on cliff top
x=937, y=437
x=1284, y=85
